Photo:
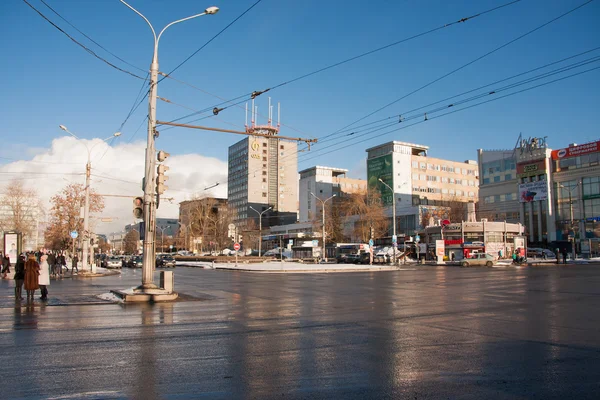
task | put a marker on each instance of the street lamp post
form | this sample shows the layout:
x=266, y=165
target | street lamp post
x=394, y=245
x=570, y=214
x=162, y=236
x=259, y=227
x=323, y=204
x=149, y=175
x=86, y=209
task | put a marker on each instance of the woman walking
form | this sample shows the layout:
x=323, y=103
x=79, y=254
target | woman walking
x=32, y=271
x=44, y=276
x=19, y=277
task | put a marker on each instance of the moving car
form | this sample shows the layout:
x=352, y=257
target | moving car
x=534, y=252
x=135, y=262
x=165, y=261
x=113, y=262
x=479, y=259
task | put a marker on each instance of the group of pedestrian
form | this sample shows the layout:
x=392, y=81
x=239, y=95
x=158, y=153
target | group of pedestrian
x=564, y=253
x=32, y=275
x=33, y=271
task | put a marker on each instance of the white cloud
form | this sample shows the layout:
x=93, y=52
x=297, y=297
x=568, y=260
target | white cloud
x=116, y=170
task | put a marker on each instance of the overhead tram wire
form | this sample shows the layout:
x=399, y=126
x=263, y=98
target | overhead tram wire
x=211, y=39
x=464, y=66
x=473, y=98
x=397, y=116
x=258, y=93
x=336, y=133
x=491, y=92
x=80, y=44
x=221, y=98
x=460, y=109
x=90, y=39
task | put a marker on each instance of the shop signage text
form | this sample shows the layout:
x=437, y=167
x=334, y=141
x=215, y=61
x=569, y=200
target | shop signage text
x=576, y=151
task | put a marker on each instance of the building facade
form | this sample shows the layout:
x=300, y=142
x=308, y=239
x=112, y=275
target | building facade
x=324, y=182
x=423, y=187
x=262, y=173
x=498, y=178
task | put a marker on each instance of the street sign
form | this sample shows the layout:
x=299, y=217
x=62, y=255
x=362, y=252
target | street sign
x=371, y=242
x=394, y=239
x=74, y=234
x=236, y=246
x=291, y=241
x=231, y=227
x=417, y=238
x=315, y=243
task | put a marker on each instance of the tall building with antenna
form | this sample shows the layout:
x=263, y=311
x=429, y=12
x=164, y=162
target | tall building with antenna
x=263, y=173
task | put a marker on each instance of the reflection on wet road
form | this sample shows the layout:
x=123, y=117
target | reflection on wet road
x=430, y=333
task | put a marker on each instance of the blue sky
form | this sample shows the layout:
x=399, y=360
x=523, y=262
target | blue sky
x=49, y=80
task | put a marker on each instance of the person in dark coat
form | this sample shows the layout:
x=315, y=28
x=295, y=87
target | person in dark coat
x=74, y=264
x=52, y=263
x=19, y=277
x=5, y=266
x=564, y=254
x=61, y=262
x=32, y=271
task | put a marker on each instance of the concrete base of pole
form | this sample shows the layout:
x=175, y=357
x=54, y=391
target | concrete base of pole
x=147, y=296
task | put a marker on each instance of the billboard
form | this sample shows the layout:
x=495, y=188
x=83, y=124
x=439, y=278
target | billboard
x=533, y=191
x=381, y=168
x=576, y=151
x=12, y=245
x=531, y=168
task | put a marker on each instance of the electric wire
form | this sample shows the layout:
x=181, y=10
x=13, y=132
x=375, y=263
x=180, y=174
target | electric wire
x=80, y=44
x=211, y=39
x=257, y=93
x=90, y=39
x=461, y=109
x=466, y=65
x=397, y=116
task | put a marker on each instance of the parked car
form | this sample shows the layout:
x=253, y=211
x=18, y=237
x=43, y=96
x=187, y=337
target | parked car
x=479, y=259
x=352, y=259
x=113, y=262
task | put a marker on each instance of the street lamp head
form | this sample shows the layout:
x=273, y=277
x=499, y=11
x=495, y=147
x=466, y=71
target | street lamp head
x=380, y=180
x=117, y=134
x=212, y=10
x=64, y=128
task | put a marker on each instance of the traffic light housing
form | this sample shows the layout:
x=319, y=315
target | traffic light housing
x=162, y=156
x=161, y=178
x=138, y=208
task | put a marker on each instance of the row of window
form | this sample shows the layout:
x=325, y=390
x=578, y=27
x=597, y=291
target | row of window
x=584, y=161
x=451, y=192
x=499, y=198
x=500, y=178
x=498, y=166
x=445, y=168
x=443, y=179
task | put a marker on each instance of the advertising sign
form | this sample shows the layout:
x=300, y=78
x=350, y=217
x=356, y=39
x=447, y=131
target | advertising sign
x=440, y=248
x=533, y=191
x=531, y=168
x=575, y=151
x=381, y=168
x=11, y=246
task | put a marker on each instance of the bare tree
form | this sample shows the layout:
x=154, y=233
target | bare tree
x=21, y=209
x=65, y=214
x=131, y=241
x=369, y=210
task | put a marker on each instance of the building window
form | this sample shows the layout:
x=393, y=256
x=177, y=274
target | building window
x=281, y=146
x=264, y=144
x=264, y=194
x=264, y=179
x=265, y=151
x=264, y=158
x=264, y=172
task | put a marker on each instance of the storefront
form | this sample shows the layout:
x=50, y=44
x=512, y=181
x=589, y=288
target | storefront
x=463, y=239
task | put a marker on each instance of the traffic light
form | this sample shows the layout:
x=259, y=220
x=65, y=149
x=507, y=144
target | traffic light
x=161, y=178
x=138, y=208
x=160, y=172
x=162, y=156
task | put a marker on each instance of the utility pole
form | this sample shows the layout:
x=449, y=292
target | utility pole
x=259, y=227
x=149, y=174
x=570, y=190
x=323, y=255
x=394, y=238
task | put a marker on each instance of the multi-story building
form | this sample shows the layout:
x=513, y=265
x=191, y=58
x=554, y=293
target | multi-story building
x=262, y=173
x=497, y=196
x=324, y=182
x=203, y=221
x=423, y=187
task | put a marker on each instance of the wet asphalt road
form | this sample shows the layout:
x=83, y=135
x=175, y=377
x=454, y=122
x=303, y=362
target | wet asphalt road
x=437, y=332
